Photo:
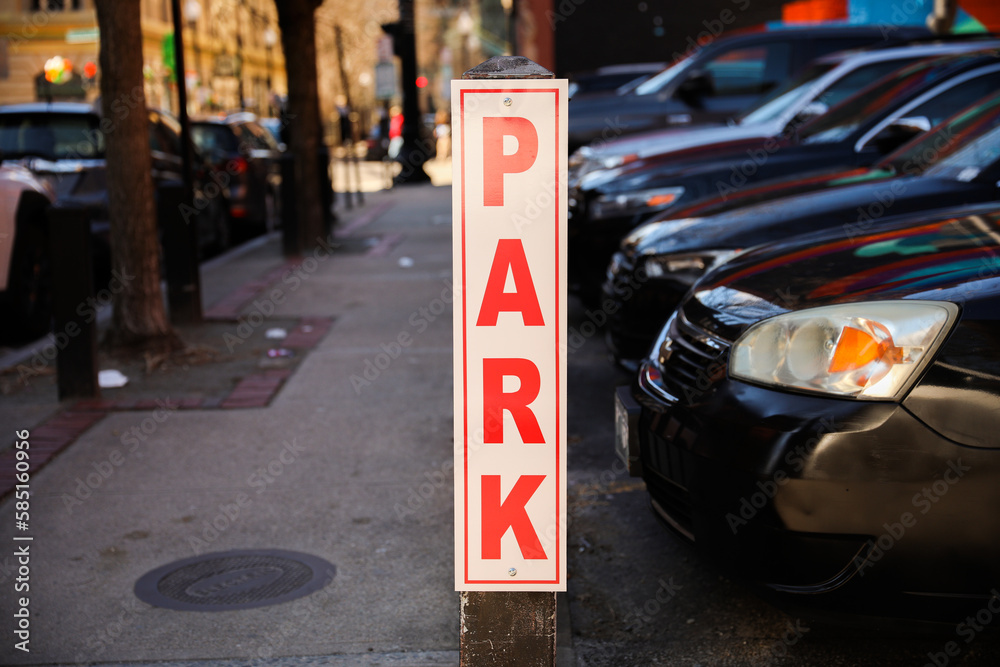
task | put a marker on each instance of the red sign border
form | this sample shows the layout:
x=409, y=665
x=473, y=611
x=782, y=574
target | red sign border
x=465, y=350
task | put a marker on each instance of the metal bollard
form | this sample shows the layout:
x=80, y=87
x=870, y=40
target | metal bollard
x=72, y=285
x=180, y=254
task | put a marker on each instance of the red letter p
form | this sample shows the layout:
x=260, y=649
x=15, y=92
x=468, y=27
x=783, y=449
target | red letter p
x=495, y=163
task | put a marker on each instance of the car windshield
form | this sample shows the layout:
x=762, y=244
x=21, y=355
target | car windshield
x=213, y=138
x=970, y=160
x=661, y=80
x=53, y=136
x=870, y=103
x=940, y=151
x=777, y=101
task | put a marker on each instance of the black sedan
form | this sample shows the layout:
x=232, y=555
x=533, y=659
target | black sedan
x=858, y=132
x=957, y=163
x=820, y=418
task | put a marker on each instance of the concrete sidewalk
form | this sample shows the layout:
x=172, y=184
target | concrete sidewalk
x=346, y=457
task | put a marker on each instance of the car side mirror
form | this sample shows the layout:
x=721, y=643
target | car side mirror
x=898, y=132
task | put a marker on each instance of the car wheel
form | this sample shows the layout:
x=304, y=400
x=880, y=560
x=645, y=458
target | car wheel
x=27, y=303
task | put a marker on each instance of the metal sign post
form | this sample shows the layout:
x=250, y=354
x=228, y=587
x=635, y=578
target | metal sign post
x=509, y=255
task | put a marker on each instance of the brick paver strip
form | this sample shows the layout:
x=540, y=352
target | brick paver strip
x=46, y=441
x=254, y=391
x=385, y=245
x=365, y=218
x=231, y=306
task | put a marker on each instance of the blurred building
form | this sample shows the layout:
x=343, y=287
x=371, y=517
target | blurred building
x=49, y=50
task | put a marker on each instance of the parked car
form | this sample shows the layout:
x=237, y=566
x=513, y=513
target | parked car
x=611, y=79
x=828, y=81
x=277, y=128
x=25, y=290
x=718, y=80
x=63, y=144
x=819, y=418
x=857, y=132
x=957, y=163
x=249, y=156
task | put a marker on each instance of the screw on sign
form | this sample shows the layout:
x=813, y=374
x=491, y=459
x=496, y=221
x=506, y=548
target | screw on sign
x=509, y=120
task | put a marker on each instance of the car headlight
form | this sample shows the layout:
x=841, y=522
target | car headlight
x=871, y=350
x=687, y=267
x=614, y=161
x=631, y=203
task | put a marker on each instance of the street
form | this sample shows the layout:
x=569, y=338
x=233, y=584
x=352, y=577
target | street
x=347, y=456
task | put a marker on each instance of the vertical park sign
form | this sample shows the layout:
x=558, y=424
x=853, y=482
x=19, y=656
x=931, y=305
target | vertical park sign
x=509, y=256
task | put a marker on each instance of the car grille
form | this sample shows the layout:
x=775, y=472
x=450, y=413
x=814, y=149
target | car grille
x=668, y=485
x=690, y=360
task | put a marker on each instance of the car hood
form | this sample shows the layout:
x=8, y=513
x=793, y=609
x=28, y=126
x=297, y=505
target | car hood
x=698, y=161
x=779, y=188
x=852, y=208
x=936, y=256
x=661, y=143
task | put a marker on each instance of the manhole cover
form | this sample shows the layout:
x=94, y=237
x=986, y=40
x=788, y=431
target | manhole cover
x=234, y=580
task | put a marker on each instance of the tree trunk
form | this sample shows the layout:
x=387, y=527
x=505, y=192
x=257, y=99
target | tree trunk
x=296, y=18
x=139, y=317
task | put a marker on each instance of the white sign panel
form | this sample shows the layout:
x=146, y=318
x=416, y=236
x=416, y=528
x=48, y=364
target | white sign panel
x=509, y=244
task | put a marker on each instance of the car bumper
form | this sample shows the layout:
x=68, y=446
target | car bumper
x=640, y=307
x=841, y=504
x=591, y=245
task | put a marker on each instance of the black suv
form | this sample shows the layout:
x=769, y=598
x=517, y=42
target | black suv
x=63, y=144
x=248, y=158
x=719, y=80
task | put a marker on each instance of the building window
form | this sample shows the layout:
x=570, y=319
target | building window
x=55, y=5
x=4, y=62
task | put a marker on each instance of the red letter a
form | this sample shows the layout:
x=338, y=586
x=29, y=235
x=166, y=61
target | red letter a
x=510, y=256
x=498, y=517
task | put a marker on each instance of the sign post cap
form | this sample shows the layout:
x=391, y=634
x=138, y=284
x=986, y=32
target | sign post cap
x=508, y=67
